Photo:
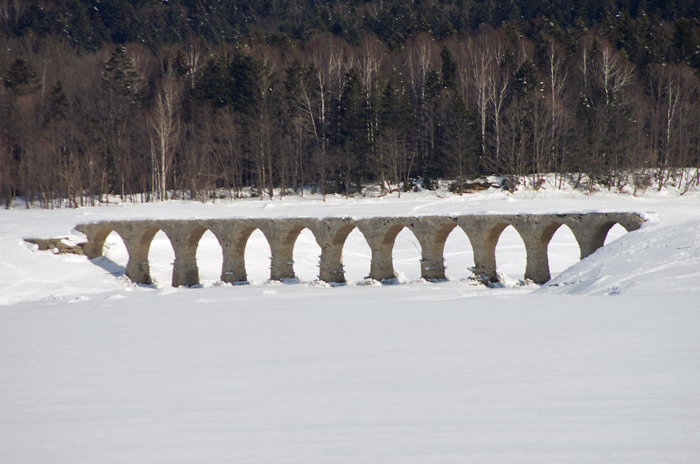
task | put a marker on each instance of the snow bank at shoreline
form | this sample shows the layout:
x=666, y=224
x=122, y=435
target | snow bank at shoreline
x=658, y=258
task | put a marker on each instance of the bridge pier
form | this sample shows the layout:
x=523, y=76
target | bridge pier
x=331, y=235
x=483, y=233
x=137, y=243
x=281, y=235
x=232, y=236
x=184, y=237
x=432, y=233
x=136, y=235
x=536, y=232
x=380, y=234
x=96, y=234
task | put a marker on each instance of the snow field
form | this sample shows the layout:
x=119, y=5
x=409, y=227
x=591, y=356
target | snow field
x=601, y=365
x=351, y=374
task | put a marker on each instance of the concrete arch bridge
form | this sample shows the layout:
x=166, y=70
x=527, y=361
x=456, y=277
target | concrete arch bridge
x=483, y=231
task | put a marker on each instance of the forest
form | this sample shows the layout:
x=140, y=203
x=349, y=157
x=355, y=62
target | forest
x=150, y=100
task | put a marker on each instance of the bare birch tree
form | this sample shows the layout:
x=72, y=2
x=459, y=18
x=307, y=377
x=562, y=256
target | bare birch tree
x=420, y=58
x=557, y=78
x=165, y=125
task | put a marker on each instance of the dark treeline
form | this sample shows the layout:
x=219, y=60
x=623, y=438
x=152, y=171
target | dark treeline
x=139, y=99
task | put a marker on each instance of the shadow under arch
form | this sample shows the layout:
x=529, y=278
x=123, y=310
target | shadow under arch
x=406, y=252
x=306, y=254
x=563, y=250
x=112, y=253
x=510, y=254
x=602, y=234
x=355, y=253
x=209, y=257
x=161, y=256
x=137, y=240
x=614, y=231
x=246, y=242
x=115, y=256
x=257, y=253
x=281, y=237
x=458, y=255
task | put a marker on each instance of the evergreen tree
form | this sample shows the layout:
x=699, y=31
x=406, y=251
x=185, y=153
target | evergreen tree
x=462, y=141
x=179, y=65
x=292, y=85
x=20, y=78
x=686, y=45
x=395, y=120
x=395, y=106
x=525, y=79
x=449, y=68
x=213, y=83
x=352, y=127
x=245, y=72
x=119, y=77
x=120, y=97
x=60, y=106
x=432, y=84
x=508, y=60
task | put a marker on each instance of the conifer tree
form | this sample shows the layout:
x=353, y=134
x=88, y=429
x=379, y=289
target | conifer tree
x=449, y=68
x=119, y=77
x=213, y=84
x=394, y=122
x=686, y=44
x=20, y=78
x=352, y=128
x=462, y=141
x=120, y=97
x=179, y=64
x=59, y=102
x=245, y=72
x=524, y=79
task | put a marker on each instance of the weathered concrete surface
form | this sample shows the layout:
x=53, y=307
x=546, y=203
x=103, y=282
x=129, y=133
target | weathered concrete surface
x=331, y=234
x=483, y=232
x=431, y=232
x=537, y=230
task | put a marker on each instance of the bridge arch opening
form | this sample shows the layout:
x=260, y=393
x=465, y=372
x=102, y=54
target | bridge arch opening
x=257, y=257
x=115, y=256
x=210, y=259
x=161, y=258
x=406, y=255
x=563, y=251
x=307, y=255
x=357, y=256
x=615, y=232
x=458, y=254
x=511, y=256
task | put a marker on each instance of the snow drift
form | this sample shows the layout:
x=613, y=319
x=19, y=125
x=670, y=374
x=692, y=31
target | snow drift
x=658, y=258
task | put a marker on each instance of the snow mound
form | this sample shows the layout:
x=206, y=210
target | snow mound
x=657, y=258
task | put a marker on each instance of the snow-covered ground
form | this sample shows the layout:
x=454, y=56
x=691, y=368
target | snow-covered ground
x=602, y=364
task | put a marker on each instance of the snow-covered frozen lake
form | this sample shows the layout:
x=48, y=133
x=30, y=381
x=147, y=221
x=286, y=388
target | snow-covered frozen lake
x=600, y=365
